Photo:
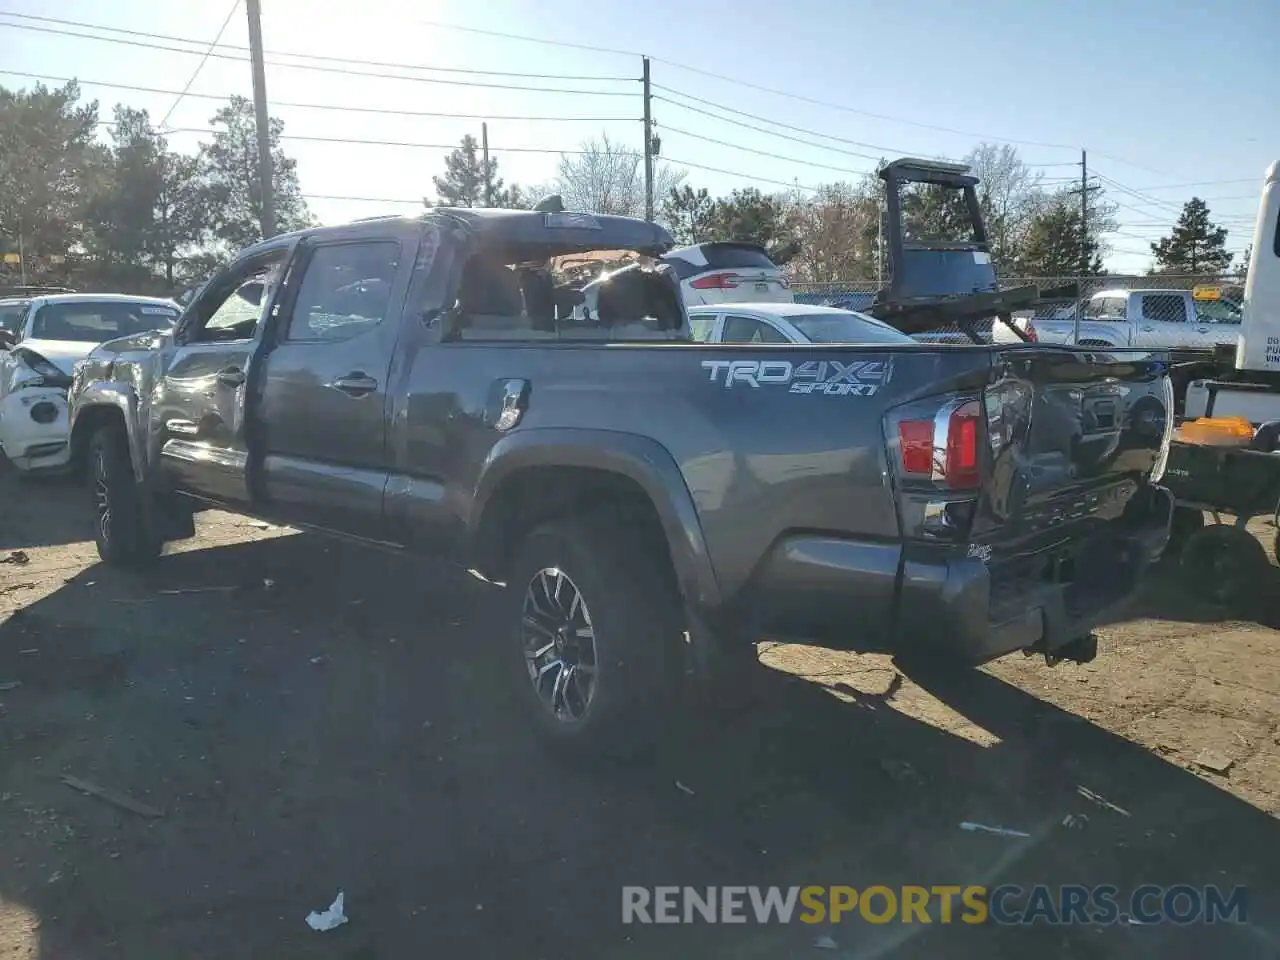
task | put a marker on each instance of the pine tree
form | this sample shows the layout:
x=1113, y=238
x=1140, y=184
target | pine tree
x=465, y=176
x=689, y=214
x=229, y=169
x=1195, y=246
x=1052, y=246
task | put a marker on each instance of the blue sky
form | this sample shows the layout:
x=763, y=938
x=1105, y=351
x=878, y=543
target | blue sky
x=1161, y=94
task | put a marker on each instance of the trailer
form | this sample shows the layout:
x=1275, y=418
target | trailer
x=1223, y=561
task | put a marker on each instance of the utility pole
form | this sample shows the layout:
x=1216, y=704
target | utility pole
x=22, y=254
x=1084, y=213
x=484, y=169
x=648, y=144
x=254, y=10
x=1084, y=237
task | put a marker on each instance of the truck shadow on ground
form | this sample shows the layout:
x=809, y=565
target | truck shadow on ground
x=312, y=717
x=41, y=511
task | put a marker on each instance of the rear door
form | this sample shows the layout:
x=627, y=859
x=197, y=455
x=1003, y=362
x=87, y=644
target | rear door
x=740, y=328
x=323, y=412
x=1165, y=321
x=705, y=326
x=199, y=406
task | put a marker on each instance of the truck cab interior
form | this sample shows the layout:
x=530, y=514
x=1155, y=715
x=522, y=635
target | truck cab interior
x=500, y=297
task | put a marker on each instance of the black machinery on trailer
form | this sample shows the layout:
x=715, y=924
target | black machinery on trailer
x=1224, y=561
x=936, y=282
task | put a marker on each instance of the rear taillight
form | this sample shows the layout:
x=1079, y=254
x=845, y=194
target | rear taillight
x=945, y=448
x=961, y=470
x=915, y=440
x=716, y=281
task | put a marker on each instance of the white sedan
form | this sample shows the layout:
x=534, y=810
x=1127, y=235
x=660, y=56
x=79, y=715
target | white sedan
x=37, y=361
x=788, y=323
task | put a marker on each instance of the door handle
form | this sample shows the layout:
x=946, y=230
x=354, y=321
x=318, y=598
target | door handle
x=355, y=384
x=1148, y=329
x=1202, y=329
x=231, y=377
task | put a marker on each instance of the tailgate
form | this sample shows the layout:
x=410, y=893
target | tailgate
x=1071, y=435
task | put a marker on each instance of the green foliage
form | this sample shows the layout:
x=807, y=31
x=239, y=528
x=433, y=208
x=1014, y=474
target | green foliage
x=1053, y=245
x=465, y=177
x=47, y=156
x=229, y=171
x=1195, y=246
x=689, y=214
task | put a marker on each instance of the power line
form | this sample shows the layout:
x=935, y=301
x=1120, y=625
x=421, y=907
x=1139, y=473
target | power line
x=361, y=61
x=335, y=70
x=1129, y=191
x=776, y=123
x=425, y=146
x=235, y=5
x=307, y=138
x=329, y=196
x=745, y=176
x=315, y=106
x=765, y=153
x=1198, y=183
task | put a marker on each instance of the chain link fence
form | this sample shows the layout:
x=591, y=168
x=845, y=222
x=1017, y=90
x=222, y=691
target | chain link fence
x=859, y=294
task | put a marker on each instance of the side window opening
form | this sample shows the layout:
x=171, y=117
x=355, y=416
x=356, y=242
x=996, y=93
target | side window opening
x=1111, y=308
x=345, y=290
x=701, y=326
x=1166, y=308
x=503, y=297
x=237, y=313
x=750, y=330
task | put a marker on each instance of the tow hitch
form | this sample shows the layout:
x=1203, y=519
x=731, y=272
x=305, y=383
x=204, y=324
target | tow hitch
x=1080, y=650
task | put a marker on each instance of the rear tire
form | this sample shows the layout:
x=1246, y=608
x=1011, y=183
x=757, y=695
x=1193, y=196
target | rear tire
x=594, y=626
x=1225, y=564
x=121, y=527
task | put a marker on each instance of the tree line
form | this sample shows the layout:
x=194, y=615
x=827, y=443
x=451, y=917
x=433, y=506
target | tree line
x=129, y=213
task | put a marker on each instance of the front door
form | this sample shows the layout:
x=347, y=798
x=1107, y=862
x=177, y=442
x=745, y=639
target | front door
x=199, y=407
x=323, y=413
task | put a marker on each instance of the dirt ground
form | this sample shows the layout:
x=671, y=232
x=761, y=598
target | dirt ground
x=309, y=717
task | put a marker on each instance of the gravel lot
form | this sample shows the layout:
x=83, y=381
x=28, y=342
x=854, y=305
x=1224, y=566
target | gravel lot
x=308, y=717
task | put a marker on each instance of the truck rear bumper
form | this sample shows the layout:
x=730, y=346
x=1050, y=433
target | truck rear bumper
x=862, y=596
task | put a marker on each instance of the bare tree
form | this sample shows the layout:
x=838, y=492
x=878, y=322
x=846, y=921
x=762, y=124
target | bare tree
x=604, y=177
x=837, y=227
x=1010, y=195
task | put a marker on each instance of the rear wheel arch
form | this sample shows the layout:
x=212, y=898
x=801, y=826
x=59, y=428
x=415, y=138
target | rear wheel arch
x=534, y=477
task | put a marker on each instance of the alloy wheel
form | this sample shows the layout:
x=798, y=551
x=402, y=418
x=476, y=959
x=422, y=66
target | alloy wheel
x=559, y=644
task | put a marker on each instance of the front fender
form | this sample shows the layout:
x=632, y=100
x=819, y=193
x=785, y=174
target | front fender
x=638, y=458
x=117, y=396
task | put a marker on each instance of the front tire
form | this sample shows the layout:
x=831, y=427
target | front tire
x=595, y=627
x=121, y=527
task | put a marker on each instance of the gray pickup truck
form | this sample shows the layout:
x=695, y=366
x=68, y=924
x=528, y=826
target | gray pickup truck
x=653, y=506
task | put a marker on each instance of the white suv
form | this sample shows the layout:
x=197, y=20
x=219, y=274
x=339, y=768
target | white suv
x=725, y=271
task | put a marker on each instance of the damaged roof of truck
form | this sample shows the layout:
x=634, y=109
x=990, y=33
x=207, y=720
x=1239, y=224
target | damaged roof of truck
x=525, y=234
x=544, y=233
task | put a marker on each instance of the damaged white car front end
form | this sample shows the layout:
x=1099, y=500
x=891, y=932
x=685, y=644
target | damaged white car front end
x=34, y=428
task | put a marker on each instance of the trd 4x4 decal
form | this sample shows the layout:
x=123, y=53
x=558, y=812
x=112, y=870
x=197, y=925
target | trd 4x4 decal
x=830, y=378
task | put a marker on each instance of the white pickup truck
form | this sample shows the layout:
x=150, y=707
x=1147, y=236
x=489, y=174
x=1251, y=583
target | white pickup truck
x=1184, y=321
